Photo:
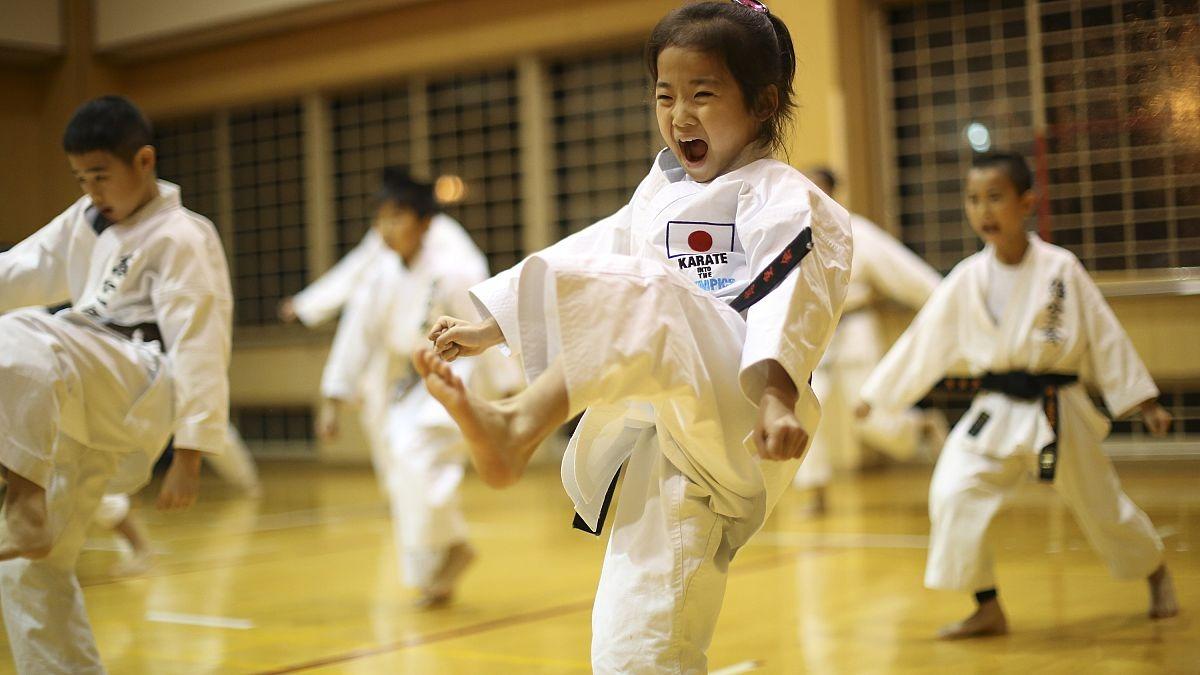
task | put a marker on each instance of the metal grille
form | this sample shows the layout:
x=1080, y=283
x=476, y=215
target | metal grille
x=953, y=63
x=1123, y=121
x=605, y=135
x=276, y=431
x=187, y=156
x=267, y=150
x=371, y=130
x=473, y=123
x=1121, y=84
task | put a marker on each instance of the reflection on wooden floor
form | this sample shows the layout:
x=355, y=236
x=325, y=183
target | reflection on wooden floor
x=305, y=580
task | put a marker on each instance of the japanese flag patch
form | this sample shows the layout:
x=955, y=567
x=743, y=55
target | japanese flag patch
x=696, y=238
x=709, y=253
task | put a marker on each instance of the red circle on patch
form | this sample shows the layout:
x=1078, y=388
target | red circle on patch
x=700, y=241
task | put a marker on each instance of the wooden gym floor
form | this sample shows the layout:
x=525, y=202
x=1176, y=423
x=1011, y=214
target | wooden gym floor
x=305, y=580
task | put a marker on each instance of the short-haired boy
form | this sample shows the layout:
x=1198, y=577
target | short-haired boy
x=90, y=395
x=1026, y=321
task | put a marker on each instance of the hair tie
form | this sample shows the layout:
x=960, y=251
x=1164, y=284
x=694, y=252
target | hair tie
x=753, y=5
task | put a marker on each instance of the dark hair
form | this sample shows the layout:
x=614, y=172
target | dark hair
x=401, y=188
x=825, y=174
x=109, y=123
x=1013, y=165
x=755, y=46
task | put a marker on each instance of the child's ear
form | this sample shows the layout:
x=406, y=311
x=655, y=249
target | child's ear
x=146, y=158
x=1028, y=201
x=767, y=104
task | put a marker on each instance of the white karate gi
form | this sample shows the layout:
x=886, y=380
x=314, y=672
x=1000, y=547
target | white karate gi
x=1056, y=321
x=882, y=267
x=323, y=299
x=388, y=316
x=85, y=411
x=636, y=308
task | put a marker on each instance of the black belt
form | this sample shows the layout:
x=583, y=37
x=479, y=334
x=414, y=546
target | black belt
x=1026, y=386
x=764, y=283
x=774, y=273
x=149, y=332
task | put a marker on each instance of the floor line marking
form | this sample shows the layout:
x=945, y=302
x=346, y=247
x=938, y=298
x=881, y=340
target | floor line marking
x=199, y=620
x=438, y=636
x=757, y=565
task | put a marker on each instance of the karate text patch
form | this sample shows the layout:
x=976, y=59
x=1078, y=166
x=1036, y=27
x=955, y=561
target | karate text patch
x=706, y=252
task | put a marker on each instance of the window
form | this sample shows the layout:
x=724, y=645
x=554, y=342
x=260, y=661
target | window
x=473, y=124
x=371, y=130
x=187, y=156
x=952, y=64
x=1123, y=122
x=1121, y=81
x=267, y=153
x=279, y=431
x=605, y=136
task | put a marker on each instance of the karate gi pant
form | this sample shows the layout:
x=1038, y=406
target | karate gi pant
x=678, y=348
x=56, y=376
x=840, y=437
x=970, y=487
x=422, y=474
x=664, y=574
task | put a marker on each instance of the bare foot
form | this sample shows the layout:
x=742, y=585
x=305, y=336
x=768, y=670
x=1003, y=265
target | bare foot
x=1163, y=604
x=440, y=591
x=987, y=620
x=498, y=440
x=137, y=564
x=25, y=516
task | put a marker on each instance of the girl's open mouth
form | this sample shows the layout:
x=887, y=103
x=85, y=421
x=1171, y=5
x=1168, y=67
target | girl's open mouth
x=694, y=151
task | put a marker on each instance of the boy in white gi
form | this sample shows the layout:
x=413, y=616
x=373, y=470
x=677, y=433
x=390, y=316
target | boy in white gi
x=89, y=396
x=429, y=265
x=687, y=324
x=321, y=301
x=1026, y=321
x=882, y=267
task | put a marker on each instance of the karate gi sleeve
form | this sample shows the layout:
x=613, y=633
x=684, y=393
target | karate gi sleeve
x=497, y=297
x=895, y=271
x=34, y=272
x=1115, y=366
x=325, y=297
x=922, y=355
x=794, y=323
x=194, y=311
x=358, y=335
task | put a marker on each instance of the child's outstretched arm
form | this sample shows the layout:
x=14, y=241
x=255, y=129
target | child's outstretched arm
x=321, y=300
x=34, y=272
x=928, y=349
